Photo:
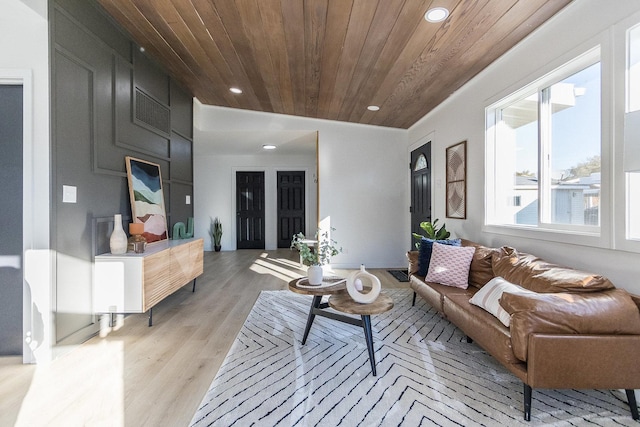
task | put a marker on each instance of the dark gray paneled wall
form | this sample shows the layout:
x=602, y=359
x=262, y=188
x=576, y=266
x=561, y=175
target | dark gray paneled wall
x=11, y=240
x=96, y=77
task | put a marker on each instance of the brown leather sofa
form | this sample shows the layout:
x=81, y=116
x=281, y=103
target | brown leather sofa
x=577, y=332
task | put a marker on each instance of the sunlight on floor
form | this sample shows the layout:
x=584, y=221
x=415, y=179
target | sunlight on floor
x=110, y=322
x=288, y=263
x=274, y=267
x=100, y=368
x=286, y=269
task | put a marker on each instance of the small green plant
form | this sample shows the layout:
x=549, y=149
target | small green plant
x=320, y=255
x=216, y=233
x=432, y=232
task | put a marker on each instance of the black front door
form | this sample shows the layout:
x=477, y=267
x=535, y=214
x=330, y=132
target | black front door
x=11, y=220
x=420, y=187
x=250, y=210
x=290, y=206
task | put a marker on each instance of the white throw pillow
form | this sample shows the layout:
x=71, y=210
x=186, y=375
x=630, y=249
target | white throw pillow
x=488, y=297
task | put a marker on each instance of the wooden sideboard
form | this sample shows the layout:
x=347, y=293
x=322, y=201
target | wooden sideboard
x=134, y=283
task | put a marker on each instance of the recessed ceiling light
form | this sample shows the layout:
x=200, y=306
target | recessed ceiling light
x=235, y=90
x=437, y=14
x=373, y=108
x=269, y=147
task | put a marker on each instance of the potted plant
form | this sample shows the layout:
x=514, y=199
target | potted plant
x=315, y=253
x=432, y=232
x=216, y=234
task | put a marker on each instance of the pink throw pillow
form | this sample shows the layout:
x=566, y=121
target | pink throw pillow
x=449, y=265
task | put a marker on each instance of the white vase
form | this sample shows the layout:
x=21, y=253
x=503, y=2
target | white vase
x=118, y=241
x=314, y=275
x=355, y=283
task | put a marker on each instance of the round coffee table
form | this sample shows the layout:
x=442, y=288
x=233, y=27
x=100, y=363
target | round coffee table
x=344, y=303
x=317, y=307
x=294, y=286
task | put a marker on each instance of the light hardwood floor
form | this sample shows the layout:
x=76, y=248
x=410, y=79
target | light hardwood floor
x=134, y=375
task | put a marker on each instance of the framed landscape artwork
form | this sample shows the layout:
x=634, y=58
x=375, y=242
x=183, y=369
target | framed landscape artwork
x=147, y=198
x=457, y=180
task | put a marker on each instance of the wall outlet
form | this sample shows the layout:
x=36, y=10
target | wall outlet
x=69, y=194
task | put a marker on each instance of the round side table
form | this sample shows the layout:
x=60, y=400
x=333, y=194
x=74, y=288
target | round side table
x=317, y=307
x=343, y=303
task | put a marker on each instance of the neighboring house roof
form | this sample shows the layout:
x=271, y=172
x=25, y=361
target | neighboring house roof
x=583, y=183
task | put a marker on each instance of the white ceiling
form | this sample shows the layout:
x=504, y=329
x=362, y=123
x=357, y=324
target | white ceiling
x=249, y=143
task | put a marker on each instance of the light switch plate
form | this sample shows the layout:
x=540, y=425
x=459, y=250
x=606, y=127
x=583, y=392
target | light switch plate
x=69, y=194
x=188, y=200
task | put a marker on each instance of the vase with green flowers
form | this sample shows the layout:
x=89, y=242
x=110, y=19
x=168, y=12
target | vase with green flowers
x=315, y=253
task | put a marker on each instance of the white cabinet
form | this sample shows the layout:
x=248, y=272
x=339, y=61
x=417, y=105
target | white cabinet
x=134, y=283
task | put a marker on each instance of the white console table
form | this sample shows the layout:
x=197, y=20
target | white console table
x=134, y=283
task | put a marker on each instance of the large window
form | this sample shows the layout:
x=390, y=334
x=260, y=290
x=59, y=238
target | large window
x=633, y=67
x=633, y=104
x=546, y=148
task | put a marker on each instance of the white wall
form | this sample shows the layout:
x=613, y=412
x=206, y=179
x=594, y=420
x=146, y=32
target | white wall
x=215, y=184
x=363, y=186
x=581, y=25
x=24, y=59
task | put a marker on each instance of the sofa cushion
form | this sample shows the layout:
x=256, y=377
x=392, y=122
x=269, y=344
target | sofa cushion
x=538, y=275
x=485, y=330
x=424, y=253
x=434, y=293
x=607, y=312
x=488, y=297
x=481, y=270
x=449, y=265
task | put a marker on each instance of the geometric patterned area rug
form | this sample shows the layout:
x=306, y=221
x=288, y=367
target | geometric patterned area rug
x=428, y=375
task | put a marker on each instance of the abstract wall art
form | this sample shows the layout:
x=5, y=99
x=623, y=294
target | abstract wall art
x=457, y=180
x=147, y=198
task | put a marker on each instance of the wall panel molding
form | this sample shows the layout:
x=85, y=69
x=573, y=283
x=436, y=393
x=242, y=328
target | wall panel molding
x=128, y=135
x=93, y=128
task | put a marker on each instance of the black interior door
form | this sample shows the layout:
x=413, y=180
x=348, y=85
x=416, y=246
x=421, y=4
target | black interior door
x=250, y=210
x=290, y=206
x=11, y=220
x=420, y=187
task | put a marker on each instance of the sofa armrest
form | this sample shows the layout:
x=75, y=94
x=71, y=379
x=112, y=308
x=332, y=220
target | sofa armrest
x=584, y=361
x=412, y=257
x=636, y=299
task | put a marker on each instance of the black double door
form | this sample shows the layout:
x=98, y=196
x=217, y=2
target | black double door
x=291, y=212
x=250, y=208
x=250, y=230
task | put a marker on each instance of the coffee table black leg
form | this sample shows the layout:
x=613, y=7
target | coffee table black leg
x=368, y=336
x=314, y=305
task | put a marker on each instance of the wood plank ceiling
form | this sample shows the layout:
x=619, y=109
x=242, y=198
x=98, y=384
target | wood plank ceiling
x=328, y=59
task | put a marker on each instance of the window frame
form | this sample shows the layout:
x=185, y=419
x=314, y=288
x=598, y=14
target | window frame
x=621, y=239
x=570, y=64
